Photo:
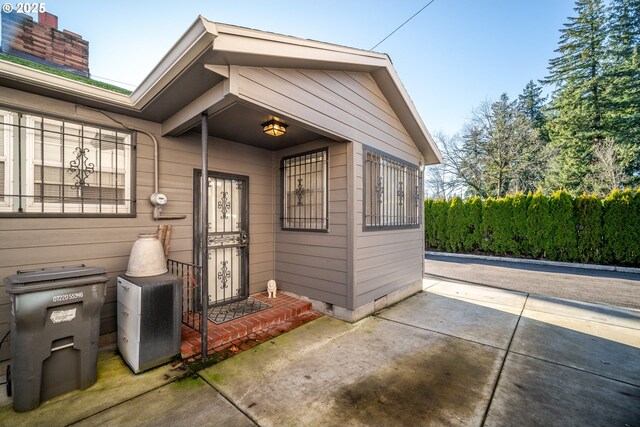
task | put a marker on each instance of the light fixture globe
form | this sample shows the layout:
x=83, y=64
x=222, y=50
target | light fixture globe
x=274, y=128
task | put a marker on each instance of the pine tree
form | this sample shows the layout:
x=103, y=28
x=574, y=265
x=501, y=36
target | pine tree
x=578, y=105
x=531, y=104
x=623, y=74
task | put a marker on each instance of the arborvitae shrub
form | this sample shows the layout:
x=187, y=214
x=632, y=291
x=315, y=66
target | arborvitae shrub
x=634, y=222
x=520, y=206
x=503, y=240
x=588, y=213
x=429, y=228
x=562, y=231
x=473, y=219
x=538, y=225
x=620, y=227
x=497, y=226
x=486, y=228
x=614, y=218
x=456, y=225
x=440, y=213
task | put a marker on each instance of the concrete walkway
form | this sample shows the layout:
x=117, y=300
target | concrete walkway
x=455, y=354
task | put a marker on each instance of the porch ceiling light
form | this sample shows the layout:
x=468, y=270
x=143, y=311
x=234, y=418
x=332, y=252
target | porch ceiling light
x=274, y=128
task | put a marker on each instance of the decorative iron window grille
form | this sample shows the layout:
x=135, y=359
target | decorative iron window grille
x=392, y=192
x=56, y=167
x=304, y=191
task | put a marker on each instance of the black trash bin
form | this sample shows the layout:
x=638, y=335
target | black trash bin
x=55, y=326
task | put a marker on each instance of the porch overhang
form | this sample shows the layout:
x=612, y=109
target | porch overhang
x=212, y=101
x=233, y=115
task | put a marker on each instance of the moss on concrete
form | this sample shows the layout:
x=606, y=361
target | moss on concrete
x=115, y=384
x=187, y=383
x=216, y=378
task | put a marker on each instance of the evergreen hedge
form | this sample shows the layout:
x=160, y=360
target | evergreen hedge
x=557, y=227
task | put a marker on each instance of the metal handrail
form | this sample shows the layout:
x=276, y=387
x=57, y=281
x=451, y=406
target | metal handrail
x=191, y=277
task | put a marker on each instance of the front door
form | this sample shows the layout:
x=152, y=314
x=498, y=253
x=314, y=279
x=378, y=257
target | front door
x=228, y=238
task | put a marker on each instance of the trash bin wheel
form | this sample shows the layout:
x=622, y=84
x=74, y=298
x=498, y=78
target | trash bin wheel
x=9, y=380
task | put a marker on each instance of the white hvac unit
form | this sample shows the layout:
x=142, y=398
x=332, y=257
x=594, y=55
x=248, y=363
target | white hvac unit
x=149, y=320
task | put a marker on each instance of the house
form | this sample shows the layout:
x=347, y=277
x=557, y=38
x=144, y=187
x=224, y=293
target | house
x=331, y=209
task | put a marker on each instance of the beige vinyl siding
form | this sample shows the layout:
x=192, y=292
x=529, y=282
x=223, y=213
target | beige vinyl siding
x=387, y=260
x=314, y=264
x=27, y=243
x=351, y=105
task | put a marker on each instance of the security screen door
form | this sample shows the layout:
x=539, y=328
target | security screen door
x=228, y=239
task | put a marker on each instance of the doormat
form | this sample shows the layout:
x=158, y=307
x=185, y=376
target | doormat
x=235, y=310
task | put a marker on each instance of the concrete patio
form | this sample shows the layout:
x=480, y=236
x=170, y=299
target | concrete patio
x=453, y=355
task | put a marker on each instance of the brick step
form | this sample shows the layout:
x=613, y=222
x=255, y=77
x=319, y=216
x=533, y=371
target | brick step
x=282, y=316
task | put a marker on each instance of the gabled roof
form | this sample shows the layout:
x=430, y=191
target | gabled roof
x=181, y=74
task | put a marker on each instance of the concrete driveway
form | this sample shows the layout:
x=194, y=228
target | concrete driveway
x=455, y=354
x=620, y=289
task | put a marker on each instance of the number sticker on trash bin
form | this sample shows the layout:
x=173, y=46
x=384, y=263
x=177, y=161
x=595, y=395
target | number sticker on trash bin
x=63, y=315
x=67, y=297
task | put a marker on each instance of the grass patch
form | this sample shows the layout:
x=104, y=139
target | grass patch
x=62, y=73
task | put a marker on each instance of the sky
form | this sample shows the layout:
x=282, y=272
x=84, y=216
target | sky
x=451, y=57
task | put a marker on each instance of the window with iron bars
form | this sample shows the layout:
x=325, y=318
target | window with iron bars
x=304, y=191
x=56, y=167
x=392, y=192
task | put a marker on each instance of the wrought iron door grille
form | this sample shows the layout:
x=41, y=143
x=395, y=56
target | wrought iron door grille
x=304, y=191
x=392, y=192
x=57, y=167
x=227, y=239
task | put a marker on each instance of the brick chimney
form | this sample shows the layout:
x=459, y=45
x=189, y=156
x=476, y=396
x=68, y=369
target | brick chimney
x=47, y=19
x=42, y=42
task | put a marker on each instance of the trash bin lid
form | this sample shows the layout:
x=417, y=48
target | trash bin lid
x=54, y=277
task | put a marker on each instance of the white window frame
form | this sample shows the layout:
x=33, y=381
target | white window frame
x=6, y=202
x=70, y=208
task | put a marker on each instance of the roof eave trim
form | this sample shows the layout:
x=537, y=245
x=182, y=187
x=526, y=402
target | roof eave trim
x=194, y=41
x=395, y=92
x=249, y=33
x=248, y=47
x=34, y=77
